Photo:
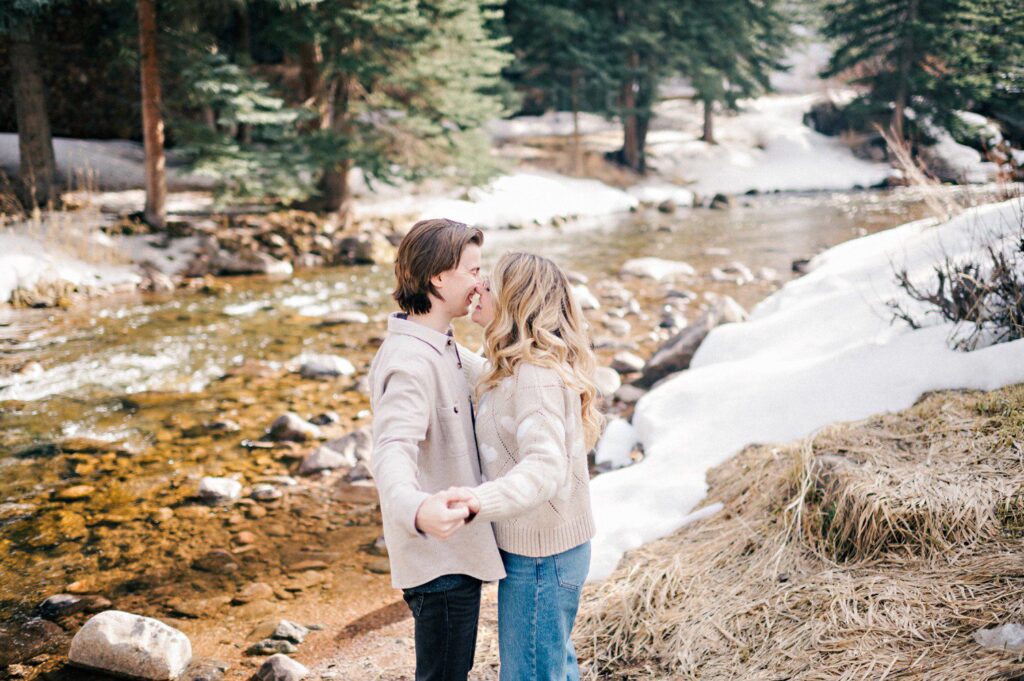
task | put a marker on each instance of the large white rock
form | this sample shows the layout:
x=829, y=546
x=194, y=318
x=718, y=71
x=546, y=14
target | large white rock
x=130, y=645
x=657, y=269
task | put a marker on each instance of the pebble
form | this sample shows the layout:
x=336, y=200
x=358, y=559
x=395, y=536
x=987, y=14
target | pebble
x=76, y=493
x=219, y=490
x=324, y=458
x=292, y=427
x=60, y=605
x=627, y=362
x=264, y=492
x=269, y=646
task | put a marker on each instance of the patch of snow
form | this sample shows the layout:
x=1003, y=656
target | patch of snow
x=101, y=164
x=515, y=200
x=959, y=162
x=654, y=191
x=765, y=147
x=552, y=123
x=26, y=261
x=616, y=444
x=820, y=350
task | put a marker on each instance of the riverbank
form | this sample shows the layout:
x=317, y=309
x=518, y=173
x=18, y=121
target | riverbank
x=874, y=548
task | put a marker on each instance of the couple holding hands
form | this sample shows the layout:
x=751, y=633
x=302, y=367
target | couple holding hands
x=481, y=462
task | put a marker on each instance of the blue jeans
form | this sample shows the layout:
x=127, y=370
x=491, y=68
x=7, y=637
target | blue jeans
x=537, y=603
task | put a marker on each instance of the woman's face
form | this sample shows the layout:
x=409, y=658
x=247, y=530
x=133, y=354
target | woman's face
x=483, y=313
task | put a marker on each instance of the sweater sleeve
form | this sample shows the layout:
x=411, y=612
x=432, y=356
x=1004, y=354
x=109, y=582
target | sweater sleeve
x=540, y=419
x=399, y=425
x=473, y=365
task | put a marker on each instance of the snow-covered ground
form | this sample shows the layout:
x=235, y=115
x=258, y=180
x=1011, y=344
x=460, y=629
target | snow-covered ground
x=820, y=350
x=100, y=164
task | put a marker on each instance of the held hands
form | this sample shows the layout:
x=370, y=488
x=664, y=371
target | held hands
x=445, y=512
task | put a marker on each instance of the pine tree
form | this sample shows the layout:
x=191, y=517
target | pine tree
x=402, y=88
x=155, y=211
x=928, y=55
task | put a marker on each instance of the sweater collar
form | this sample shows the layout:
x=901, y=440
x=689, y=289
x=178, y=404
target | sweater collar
x=398, y=323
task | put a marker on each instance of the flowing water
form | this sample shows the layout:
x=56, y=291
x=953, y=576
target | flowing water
x=111, y=412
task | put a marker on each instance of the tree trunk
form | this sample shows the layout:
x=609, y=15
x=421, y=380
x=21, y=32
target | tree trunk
x=709, y=122
x=577, y=146
x=37, y=167
x=903, y=84
x=152, y=119
x=313, y=90
x=634, y=129
x=334, y=185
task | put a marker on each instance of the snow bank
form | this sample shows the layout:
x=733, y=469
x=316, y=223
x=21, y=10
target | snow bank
x=27, y=262
x=552, y=123
x=514, y=200
x=101, y=164
x=820, y=350
x=765, y=147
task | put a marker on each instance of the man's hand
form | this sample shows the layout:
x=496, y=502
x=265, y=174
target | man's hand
x=441, y=514
x=467, y=497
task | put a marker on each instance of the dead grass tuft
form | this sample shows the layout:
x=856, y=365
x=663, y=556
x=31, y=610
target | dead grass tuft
x=872, y=550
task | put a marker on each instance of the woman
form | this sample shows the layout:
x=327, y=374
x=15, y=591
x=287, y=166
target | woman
x=536, y=421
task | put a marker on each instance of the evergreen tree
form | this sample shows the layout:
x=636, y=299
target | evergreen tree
x=930, y=55
x=401, y=88
x=155, y=211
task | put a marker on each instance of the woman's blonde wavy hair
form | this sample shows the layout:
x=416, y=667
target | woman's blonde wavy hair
x=537, y=320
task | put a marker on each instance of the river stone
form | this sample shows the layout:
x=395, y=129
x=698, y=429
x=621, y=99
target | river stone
x=345, y=317
x=629, y=394
x=619, y=327
x=265, y=492
x=281, y=668
x=657, y=268
x=290, y=631
x=269, y=646
x=219, y=490
x=318, y=366
x=721, y=202
x=25, y=641
x=586, y=299
x=206, y=670
x=357, y=445
x=60, y=605
x=76, y=493
x=325, y=458
x=325, y=419
x=248, y=262
x=677, y=352
x=130, y=645
x=626, y=362
x=217, y=561
x=291, y=426
x=359, y=472
x=254, y=591
x=607, y=380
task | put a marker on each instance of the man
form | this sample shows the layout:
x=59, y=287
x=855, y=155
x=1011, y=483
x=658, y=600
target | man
x=424, y=443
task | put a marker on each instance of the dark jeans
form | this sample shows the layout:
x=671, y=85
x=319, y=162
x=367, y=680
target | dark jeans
x=446, y=623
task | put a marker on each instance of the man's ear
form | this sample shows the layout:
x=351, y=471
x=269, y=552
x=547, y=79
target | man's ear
x=437, y=280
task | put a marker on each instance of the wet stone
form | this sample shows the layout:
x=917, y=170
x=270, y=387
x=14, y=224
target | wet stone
x=219, y=490
x=269, y=646
x=290, y=631
x=379, y=566
x=24, y=641
x=264, y=492
x=292, y=427
x=129, y=645
x=217, y=561
x=325, y=419
x=76, y=493
x=254, y=591
x=60, y=605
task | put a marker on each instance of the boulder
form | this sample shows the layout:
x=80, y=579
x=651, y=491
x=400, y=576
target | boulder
x=292, y=427
x=657, y=268
x=125, y=644
x=219, y=490
x=318, y=366
x=364, y=249
x=676, y=353
x=281, y=668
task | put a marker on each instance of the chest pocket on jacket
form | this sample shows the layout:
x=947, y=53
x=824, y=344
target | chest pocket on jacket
x=449, y=422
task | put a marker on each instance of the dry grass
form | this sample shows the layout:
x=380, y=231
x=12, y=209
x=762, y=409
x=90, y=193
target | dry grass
x=871, y=551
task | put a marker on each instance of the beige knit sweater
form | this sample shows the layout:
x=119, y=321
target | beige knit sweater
x=530, y=433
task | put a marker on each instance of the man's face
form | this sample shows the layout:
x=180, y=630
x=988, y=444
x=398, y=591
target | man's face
x=457, y=286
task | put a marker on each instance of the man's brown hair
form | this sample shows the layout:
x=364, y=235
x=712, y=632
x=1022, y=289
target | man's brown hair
x=430, y=247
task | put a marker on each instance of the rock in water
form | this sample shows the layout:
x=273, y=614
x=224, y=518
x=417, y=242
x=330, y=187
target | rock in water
x=281, y=668
x=130, y=645
x=318, y=366
x=676, y=353
x=219, y=490
x=325, y=458
x=291, y=426
x=25, y=641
